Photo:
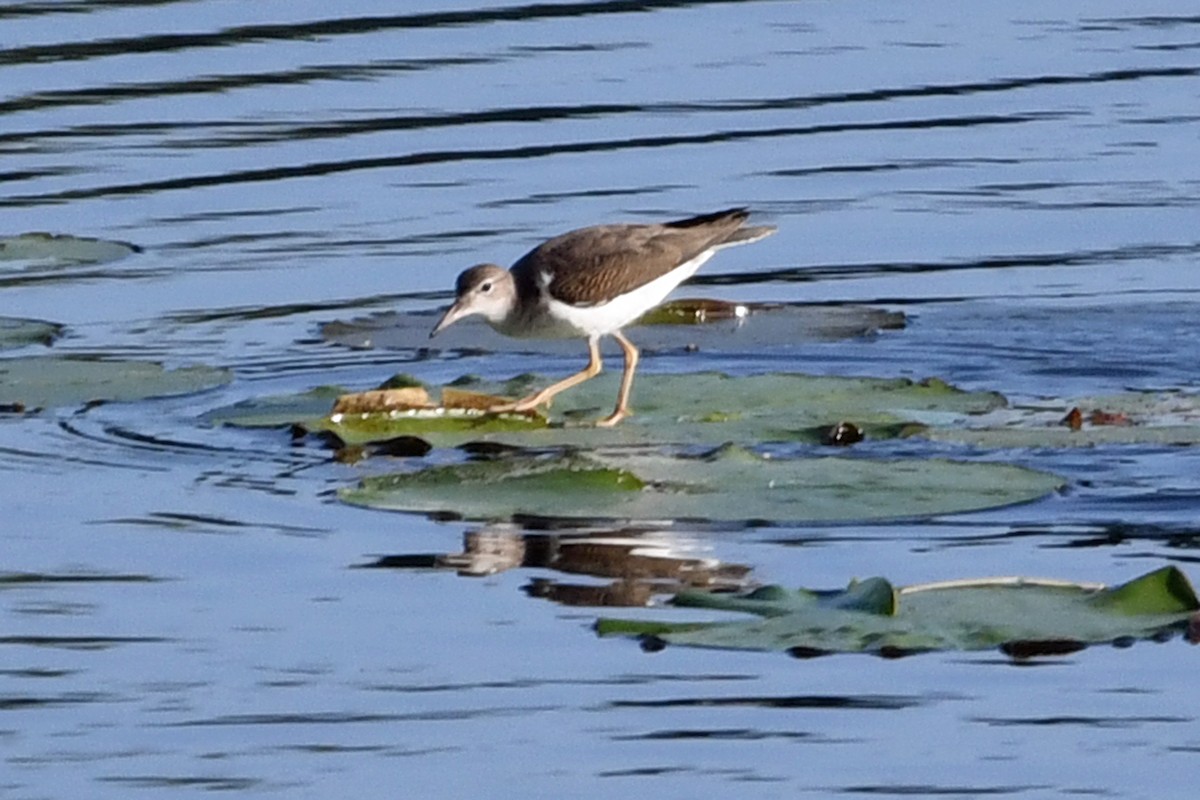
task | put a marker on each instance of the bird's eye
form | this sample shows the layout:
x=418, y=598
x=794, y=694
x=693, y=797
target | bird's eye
x=485, y=287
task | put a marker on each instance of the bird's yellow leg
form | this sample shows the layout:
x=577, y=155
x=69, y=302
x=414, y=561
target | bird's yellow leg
x=595, y=364
x=631, y=361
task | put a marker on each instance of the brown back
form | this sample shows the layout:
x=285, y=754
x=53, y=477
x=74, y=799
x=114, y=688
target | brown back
x=593, y=265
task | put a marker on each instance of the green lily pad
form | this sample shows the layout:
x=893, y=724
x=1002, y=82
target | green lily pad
x=698, y=408
x=16, y=332
x=729, y=485
x=711, y=408
x=1021, y=616
x=316, y=411
x=62, y=249
x=45, y=382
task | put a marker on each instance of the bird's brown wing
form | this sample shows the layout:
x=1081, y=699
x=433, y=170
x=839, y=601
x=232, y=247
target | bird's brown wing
x=591, y=266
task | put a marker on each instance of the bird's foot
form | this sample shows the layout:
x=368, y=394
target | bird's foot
x=612, y=419
x=529, y=403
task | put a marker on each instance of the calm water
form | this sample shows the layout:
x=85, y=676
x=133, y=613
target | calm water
x=181, y=607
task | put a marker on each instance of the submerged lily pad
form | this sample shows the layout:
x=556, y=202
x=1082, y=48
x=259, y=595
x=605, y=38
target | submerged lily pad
x=16, y=332
x=1023, y=617
x=277, y=411
x=729, y=485
x=1128, y=418
x=45, y=382
x=714, y=325
x=43, y=248
x=698, y=408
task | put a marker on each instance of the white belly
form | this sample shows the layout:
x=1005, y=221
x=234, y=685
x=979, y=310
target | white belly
x=617, y=313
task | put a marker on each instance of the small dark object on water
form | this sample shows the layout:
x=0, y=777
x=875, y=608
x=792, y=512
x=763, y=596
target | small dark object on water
x=1073, y=419
x=1044, y=647
x=842, y=434
x=806, y=652
x=652, y=644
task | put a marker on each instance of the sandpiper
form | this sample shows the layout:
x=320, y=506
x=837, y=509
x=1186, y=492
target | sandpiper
x=592, y=282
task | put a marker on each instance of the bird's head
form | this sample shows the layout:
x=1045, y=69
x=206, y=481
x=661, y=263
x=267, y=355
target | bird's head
x=487, y=290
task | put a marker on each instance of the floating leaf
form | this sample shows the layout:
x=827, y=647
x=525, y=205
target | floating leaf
x=709, y=408
x=1023, y=617
x=20, y=332
x=278, y=411
x=673, y=325
x=46, y=248
x=1128, y=418
x=379, y=415
x=43, y=382
x=387, y=413
x=729, y=485
x=699, y=408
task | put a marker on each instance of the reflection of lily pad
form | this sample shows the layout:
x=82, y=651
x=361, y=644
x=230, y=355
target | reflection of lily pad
x=46, y=248
x=705, y=408
x=20, y=332
x=50, y=382
x=1024, y=617
x=712, y=325
x=729, y=485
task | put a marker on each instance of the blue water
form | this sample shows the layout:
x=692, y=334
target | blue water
x=183, y=607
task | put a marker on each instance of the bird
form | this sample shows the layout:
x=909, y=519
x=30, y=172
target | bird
x=590, y=283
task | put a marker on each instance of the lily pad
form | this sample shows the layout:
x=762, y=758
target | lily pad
x=16, y=332
x=277, y=411
x=379, y=415
x=728, y=485
x=714, y=325
x=1023, y=617
x=1127, y=418
x=710, y=408
x=698, y=408
x=407, y=411
x=45, y=382
x=62, y=249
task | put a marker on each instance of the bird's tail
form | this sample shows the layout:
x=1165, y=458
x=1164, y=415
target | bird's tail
x=729, y=215
x=731, y=219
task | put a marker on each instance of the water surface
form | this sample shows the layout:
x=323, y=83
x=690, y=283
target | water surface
x=182, y=607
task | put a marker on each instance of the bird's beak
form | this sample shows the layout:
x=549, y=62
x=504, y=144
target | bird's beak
x=452, y=315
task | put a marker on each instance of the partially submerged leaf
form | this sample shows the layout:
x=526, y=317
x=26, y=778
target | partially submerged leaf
x=277, y=411
x=1022, y=616
x=16, y=332
x=714, y=325
x=698, y=311
x=44, y=382
x=730, y=485
x=56, y=249
x=1128, y=418
x=1164, y=591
